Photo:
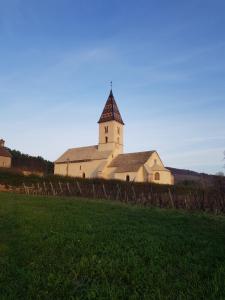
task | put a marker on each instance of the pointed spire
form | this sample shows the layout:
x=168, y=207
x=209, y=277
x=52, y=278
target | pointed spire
x=111, y=111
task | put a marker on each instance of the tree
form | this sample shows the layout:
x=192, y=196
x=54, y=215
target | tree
x=30, y=163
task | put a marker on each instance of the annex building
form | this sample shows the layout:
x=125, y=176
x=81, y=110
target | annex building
x=5, y=156
x=107, y=160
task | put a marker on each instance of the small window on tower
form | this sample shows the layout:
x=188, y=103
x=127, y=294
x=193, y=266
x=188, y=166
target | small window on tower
x=106, y=129
x=106, y=139
x=118, y=130
x=80, y=167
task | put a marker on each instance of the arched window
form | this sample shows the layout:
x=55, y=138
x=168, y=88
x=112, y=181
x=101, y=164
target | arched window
x=106, y=139
x=157, y=176
x=83, y=175
x=127, y=178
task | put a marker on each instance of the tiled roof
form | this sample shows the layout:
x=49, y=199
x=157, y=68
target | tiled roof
x=111, y=111
x=4, y=152
x=83, y=154
x=130, y=162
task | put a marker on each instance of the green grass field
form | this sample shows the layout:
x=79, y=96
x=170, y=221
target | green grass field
x=52, y=248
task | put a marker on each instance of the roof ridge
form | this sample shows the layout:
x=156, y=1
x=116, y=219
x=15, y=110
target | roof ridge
x=138, y=152
x=92, y=146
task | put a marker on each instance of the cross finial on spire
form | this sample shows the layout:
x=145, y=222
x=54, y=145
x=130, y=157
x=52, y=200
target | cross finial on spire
x=111, y=84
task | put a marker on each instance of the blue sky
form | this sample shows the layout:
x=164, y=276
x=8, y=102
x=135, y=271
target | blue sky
x=166, y=60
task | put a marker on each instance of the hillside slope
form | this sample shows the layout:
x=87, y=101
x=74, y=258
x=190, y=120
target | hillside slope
x=188, y=175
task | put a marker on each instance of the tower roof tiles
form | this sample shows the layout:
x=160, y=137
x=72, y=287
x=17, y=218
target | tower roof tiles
x=111, y=111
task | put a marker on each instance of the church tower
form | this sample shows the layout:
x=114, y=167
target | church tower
x=111, y=127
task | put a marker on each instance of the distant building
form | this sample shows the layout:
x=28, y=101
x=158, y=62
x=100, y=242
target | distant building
x=5, y=156
x=107, y=160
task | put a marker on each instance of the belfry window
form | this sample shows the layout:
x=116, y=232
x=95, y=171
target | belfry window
x=157, y=176
x=106, y=139
x=118, y=130
x=106, y=129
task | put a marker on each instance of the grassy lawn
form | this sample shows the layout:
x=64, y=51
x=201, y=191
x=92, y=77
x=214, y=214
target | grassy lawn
x=52, y=248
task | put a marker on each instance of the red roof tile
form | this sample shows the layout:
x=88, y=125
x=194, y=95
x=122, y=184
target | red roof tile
x=4, y=152
x=111, y=111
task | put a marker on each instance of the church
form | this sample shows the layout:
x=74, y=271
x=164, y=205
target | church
x=107, y=160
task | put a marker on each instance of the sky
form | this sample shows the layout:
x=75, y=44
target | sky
x=166, y=60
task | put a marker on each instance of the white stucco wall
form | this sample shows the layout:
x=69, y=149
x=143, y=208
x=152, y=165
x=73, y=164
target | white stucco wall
x=113, y=136
x=166, y=176
x=5, y=162
x=123, y=176
x=77, y=169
